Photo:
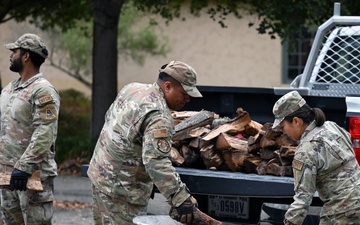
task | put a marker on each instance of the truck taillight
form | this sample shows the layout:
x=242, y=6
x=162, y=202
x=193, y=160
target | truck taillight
x=354, y=129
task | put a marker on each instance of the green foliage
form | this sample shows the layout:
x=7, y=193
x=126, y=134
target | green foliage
x=46, y=14
x=77, y=43
x=136, y=39
x=73, y=138
x=282, y=18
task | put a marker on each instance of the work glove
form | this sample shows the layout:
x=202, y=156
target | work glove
x=184, y=213
x=18, y=180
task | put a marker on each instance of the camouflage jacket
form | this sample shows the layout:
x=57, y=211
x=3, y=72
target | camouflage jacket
x=325, y=162
x=133, y=149
x=29, y=121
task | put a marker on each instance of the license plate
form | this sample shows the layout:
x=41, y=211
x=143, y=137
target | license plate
x=229, y=206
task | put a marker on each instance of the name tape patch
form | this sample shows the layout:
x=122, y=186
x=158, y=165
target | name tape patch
x=45, y=99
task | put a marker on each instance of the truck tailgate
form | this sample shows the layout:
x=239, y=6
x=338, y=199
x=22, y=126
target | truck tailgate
x=236, y=183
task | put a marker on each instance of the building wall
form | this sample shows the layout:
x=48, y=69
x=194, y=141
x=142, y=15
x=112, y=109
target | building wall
x=233, y=56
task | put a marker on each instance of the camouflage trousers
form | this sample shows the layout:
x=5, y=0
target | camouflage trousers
x=351, y=217
x=28, y=207
x=111, y=211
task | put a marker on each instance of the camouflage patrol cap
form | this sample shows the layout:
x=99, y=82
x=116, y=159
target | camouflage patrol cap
x=31, y=42
x=185, y=74
x=286, y=105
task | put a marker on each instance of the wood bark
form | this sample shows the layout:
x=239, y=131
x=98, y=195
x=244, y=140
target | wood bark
x=234, y=126
x=200, y=119
x=225, y=141
x=201, y=218
x=34, y=182
x=176, y=157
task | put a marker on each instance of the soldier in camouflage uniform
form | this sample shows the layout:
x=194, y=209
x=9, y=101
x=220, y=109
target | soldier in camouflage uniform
x=29, y=109
x=324, y=161
x=133, y=150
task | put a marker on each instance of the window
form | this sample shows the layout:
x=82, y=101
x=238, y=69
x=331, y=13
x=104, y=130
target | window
x=294, y=60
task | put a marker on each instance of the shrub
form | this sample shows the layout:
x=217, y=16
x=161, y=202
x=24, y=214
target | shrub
x=74, y=140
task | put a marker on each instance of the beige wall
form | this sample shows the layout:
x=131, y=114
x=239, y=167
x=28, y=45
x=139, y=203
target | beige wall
x=233, y=56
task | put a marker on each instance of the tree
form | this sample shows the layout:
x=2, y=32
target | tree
x=71, y=50
x=282, y=17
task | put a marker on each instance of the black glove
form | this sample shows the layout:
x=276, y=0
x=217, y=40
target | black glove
x=18, y=180
x=184, y=213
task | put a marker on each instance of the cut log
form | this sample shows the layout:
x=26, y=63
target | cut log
x=287, y=151
x=225, y=141
x=267, y=154
x=234, y=159
x=201, y=218
x=34, y=182
x=285, y=140
x=200, y=119
x=197, y=132
x=190, y=155
x=261, y=168
x=274, y=168
x=211, y=157
x=252, y=129
x=282, y=160
x=254, y=143
x=195, y=142
x=176, y=157
x=233, y=127
x=251, y=163
x=269, y=138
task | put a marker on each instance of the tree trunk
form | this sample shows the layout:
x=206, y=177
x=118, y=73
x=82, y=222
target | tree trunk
x=104, y=88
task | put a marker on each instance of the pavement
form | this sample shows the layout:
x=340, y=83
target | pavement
x=77, y=189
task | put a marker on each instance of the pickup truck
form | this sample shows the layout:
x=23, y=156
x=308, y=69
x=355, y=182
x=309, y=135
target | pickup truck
x=330, y=81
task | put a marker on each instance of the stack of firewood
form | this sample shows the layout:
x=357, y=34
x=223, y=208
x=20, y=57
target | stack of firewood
x=204, y=140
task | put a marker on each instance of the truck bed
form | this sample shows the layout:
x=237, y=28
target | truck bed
x=258, y=102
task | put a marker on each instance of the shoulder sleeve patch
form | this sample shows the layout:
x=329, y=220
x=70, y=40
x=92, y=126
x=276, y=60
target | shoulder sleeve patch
x=163, y=145
x=45, y=99
x=161, y=133
x=48, y=113
x=298, y=165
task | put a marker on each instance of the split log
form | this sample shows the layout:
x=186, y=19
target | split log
x=274, y=168
x=254, y=143
x=225, y=141
x=282, y=160
x=211, y=157
x=269, y=138
x=234, y=126
x=285, y=140
x=287, y=151
x=201, y=218
x=261, y=168
x=234, y=159
x=251, y=163
x=200, y=119
x=34, y=182
x=252, y=129
x=199, y=143
x=197, y=132
x=267, y=154
x=176, y=157
x=190, y=155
